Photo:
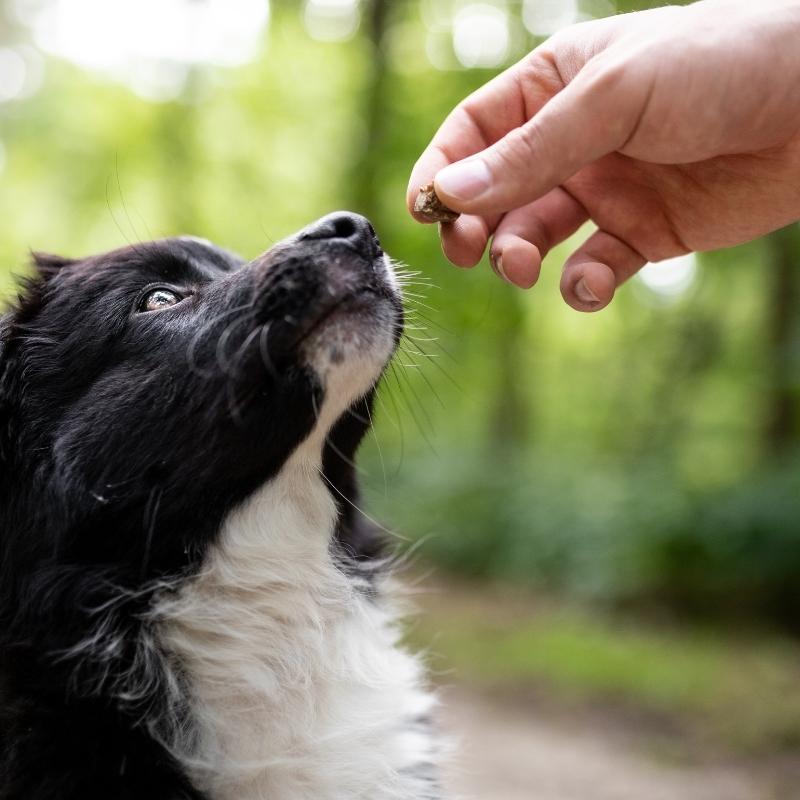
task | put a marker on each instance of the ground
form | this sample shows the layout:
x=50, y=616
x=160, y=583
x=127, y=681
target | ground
x=552, y=702
x=507, y=753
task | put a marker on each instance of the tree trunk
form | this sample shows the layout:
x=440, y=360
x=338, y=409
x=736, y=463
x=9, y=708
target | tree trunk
x=783, y=340
x=366, y=165
x=509, y=399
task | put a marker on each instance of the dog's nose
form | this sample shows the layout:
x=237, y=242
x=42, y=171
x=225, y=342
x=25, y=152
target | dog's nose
x=344, y=226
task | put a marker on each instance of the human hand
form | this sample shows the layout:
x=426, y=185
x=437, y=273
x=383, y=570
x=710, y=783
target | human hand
x=673, y=130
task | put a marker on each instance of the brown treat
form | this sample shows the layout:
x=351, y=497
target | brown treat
x=429, y=206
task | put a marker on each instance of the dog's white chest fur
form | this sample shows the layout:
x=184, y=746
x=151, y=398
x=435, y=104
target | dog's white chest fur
x=298, y=689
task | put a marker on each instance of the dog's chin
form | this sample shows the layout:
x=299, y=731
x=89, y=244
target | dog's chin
x=350, y=349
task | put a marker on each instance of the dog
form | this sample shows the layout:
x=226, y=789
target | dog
x=192, y=605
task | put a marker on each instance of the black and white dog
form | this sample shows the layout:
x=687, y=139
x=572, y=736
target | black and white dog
x=189, y=605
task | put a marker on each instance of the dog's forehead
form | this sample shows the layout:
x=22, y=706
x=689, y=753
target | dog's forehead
x=206, y=253
x=182, y=259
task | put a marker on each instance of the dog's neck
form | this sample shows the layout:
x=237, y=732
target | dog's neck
x=297, y=686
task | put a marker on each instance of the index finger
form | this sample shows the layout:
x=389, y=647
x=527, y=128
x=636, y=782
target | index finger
x=484, y=118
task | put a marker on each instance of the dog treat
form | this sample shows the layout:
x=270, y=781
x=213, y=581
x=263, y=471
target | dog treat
x=431, y=207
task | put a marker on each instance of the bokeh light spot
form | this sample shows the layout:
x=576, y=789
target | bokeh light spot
x=545, y=17
x=149, y=44
x=332, y=20
x=671, y=278
x=12, y=74
x=480, y=35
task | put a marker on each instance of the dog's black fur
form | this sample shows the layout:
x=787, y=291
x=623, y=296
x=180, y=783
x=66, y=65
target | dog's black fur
x=125, y=438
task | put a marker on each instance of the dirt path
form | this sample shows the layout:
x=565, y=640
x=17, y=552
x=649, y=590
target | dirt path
x=509, y=753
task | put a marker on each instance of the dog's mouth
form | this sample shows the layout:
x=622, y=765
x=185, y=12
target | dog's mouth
x=334, y=308
x=343, y=310
x=357, y=327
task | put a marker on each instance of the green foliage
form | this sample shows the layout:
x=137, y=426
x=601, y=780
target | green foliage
x=738, y=690
x=609, y=534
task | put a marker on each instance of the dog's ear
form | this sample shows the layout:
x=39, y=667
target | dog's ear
x=5, y=334
x=49, y=265
x=33, y=287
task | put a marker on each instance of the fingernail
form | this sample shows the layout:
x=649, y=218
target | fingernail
x=497, y=264
x=466, y=180
x=584, y=293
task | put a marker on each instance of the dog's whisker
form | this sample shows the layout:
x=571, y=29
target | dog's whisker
x=409, y=406
x=432, y=341
x=236, y=408
x=122, y=199
x=416, y=352
x=241, y=353
x=430, y=386
x=374, y=433
x=223, y=362
x=395, y=418
x=414, y=304
x=200, y=336
x=349, y=461
x=315, y=407
x=263, y=348
x=355, y=506
x=416, y=314
x=133, y=245
x=150, y=516
x=358, y=417
x=439, y=366
x=416, y=338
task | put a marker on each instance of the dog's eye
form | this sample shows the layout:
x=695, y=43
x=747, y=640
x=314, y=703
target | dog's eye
x=158, y=299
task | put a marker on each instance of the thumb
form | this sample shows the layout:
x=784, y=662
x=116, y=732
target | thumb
x=592, y=116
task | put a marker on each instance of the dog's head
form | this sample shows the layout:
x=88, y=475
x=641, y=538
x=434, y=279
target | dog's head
x=147, y=391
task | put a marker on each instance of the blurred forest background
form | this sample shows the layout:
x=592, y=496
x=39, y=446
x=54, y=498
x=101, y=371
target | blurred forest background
x=625, y=486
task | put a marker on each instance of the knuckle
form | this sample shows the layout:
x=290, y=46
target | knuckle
x=605, y=73
x=520, y=149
